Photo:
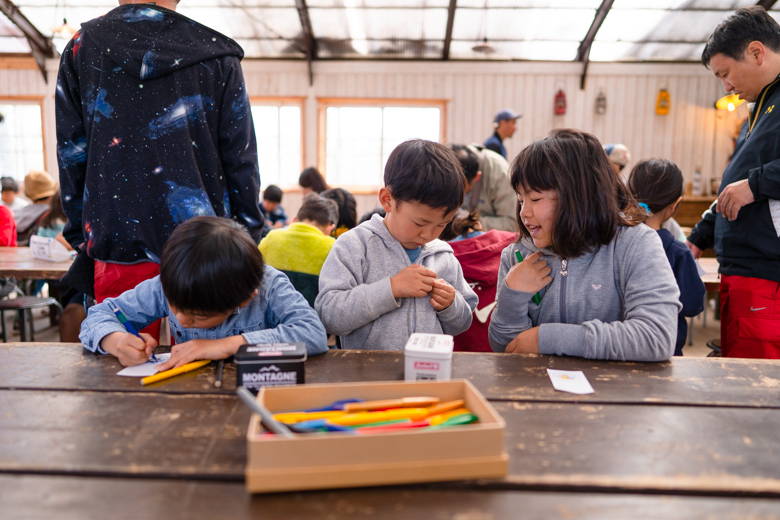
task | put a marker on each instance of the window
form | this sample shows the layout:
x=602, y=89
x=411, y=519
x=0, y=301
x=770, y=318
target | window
x=359, y=139
x=21, y=138
x=279, y=142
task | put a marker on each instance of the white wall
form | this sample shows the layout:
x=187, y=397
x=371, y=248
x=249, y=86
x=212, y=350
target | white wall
x=693, y=134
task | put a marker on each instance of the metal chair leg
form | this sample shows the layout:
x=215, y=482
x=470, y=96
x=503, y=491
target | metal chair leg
x=22, y=326
x=2, y=317
x=32, y=325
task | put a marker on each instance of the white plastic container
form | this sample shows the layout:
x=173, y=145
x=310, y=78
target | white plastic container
x=428, y=357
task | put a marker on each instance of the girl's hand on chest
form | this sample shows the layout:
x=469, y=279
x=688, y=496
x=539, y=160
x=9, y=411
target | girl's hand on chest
x=531, y=275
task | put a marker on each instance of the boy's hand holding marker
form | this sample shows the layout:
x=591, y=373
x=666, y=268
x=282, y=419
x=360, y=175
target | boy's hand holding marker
x=531, y=275
x=129, y=349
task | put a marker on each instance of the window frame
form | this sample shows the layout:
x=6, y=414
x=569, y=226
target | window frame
x=31, y=100
x=299, y=102
x=323, y=104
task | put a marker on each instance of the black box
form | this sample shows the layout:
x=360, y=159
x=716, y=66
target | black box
x=270, y=364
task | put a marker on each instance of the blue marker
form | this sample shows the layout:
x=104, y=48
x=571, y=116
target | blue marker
x=124, y=321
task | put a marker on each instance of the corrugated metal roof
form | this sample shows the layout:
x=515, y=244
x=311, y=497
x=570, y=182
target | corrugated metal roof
x=634, y=30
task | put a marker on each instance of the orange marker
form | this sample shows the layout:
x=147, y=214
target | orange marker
x=354, y=419
x=446, y=407
x=406, y=402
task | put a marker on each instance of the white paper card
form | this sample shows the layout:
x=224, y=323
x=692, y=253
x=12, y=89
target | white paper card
x=147, y=369
x=774, y=210
x=568, y=381
x=49, y=249
x=700, y=269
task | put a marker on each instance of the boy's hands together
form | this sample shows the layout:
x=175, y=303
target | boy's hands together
x=129, y=349
x=413, y=282
x=531, y=275
x=198, y=349
x=442, y=294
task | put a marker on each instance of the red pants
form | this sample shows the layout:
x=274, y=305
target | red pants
x=749, y=317
x=111, y=280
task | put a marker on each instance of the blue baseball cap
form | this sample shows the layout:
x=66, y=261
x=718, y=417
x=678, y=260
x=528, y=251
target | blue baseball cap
x=506, y=115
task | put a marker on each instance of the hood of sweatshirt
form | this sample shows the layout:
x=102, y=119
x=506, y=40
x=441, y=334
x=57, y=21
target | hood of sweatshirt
x=150, y=42
x=480, y=256
x=377, y=226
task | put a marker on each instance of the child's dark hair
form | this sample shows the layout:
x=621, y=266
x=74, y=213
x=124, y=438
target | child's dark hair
x=657, y=183
x=55, y=214
x=592, y=200
x=461, y=225
x=732, y=37
x=425, y=172
x=318, y=209
x=468, y=160
x=368, y=215
x=347, y=206
x=210, y=266
x=273, y=193
x=312, y=178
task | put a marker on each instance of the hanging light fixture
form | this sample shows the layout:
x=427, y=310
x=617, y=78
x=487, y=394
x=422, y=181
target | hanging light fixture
x=729, y=102
x=63, y=31
x=484, y=47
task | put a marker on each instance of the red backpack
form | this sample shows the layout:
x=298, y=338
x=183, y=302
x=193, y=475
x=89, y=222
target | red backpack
x=480, y=258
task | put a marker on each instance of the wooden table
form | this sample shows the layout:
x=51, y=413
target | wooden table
x=18, y=262
x=692, y=437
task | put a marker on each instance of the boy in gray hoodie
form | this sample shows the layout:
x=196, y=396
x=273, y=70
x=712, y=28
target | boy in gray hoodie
x=388, y=278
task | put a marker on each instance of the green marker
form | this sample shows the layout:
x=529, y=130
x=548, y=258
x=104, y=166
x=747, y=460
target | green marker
x=456, y=420
x=537, y=297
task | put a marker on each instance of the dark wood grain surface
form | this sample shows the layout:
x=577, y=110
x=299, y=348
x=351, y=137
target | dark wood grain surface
x=38, y=497
x=562, y=446
x=681, y=381
x=18, y=262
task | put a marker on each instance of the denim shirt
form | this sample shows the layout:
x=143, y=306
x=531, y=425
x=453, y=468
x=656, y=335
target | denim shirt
x=278, y=313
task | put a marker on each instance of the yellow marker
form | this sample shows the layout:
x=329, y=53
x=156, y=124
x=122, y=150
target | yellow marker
x=294, y=417
x=446, y=407
x=189, y=367
x=438, y=419
x=353, y=419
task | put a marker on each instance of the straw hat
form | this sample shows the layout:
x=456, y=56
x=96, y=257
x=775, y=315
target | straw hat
x=39, y=185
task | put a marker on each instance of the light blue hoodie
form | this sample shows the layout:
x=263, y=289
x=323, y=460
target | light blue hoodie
x=278, y=314
x=356, y=301
x=620, y=302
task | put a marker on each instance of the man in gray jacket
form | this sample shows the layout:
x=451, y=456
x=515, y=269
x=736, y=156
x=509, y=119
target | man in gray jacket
x=388, y=278
x=487, y=187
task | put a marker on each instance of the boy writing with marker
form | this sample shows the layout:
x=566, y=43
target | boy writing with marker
x=217, y=294
x=391, y=276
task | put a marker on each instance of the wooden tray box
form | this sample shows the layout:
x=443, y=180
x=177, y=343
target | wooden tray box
x=335, y=460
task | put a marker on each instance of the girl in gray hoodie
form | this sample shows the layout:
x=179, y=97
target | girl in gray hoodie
x=594, y=281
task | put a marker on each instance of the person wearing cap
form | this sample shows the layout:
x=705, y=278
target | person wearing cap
x=10, y=192
x=39, y=187
x=618, y=156
x=504, y=126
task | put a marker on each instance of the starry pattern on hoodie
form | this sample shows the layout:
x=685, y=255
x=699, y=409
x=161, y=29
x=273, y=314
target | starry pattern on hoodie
x=154, y=127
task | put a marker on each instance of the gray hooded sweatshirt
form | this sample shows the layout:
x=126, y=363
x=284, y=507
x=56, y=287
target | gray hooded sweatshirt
x=620, y=302
x=356, y=301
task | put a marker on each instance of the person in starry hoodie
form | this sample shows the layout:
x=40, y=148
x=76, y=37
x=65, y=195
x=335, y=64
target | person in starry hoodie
x=153, y=128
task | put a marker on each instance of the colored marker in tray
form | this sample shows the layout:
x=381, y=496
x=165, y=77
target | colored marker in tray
x=356, y=416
